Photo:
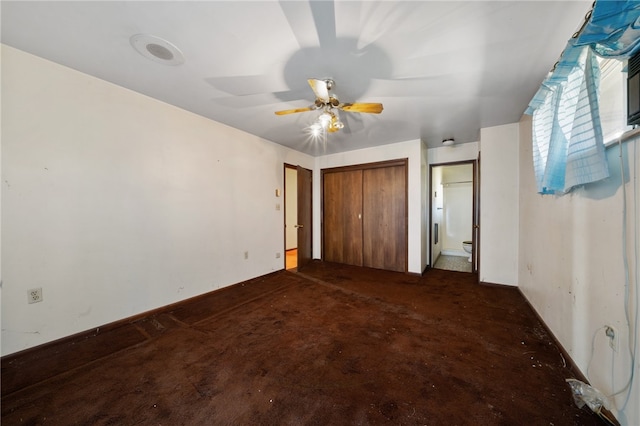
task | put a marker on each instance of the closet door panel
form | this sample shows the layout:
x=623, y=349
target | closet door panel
x=342, y=226
x=384, y=218
x=332, y=226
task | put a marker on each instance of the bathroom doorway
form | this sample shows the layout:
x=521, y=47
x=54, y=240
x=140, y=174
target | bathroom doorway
x=453, y=216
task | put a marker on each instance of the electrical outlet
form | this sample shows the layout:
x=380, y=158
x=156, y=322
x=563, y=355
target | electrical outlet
x=246, y=254
x=612, y=334
x=277, y=255
x=34, y=295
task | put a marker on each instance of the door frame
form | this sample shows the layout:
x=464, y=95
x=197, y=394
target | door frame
x=476, y=213
x=404, y=162
x=475, y=231
x=310, y=207
x=305, y=223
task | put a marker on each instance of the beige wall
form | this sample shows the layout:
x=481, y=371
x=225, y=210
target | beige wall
x=571, y=267
x=115, y=203
x=499, y=207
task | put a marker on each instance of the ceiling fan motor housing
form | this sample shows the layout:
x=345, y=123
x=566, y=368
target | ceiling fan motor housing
x=330, y=83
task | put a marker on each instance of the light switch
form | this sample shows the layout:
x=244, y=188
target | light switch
x=277, y=192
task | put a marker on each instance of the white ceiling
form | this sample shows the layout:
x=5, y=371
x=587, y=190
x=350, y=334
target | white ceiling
x=441, y=69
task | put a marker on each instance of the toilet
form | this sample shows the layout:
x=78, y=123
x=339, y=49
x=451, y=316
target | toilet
x=467, y=246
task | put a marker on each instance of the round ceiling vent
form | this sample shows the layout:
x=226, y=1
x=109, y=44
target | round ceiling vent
x=157, y=49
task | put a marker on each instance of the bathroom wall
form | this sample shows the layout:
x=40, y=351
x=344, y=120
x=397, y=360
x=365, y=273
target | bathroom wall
x=457, y=190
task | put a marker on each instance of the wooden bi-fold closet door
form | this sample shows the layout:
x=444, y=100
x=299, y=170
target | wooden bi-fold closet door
x=365, y=215
x=342, y=218
x=384, y=218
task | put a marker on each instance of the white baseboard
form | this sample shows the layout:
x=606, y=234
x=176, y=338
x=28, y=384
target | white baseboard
x=452, y=252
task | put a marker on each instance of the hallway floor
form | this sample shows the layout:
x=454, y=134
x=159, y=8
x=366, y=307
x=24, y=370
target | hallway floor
x=291, y=257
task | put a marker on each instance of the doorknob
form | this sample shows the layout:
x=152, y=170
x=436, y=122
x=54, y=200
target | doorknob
x=298, y=226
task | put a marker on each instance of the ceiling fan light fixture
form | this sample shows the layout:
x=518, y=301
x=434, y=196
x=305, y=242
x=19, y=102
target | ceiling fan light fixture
x=316, y=129
x=336, y=124
x=325, y=119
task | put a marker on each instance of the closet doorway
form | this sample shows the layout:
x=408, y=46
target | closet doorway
x=297, y=216
x=454, y=216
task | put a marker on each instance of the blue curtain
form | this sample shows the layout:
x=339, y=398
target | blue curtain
x=568, y=148
x=614, y=29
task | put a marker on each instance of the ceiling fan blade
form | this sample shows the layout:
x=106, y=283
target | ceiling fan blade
x=320, y=88
x=353, y=123
x=371, y=108
x=324, y=16
x=302, y=16
x=295, y=110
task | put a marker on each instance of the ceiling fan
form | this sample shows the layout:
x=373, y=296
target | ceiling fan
x=329, y=104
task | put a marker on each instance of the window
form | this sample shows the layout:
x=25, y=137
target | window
x=613, y=99
x=570, y=123
x=568, y=145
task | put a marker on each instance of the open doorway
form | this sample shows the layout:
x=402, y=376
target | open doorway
x=453, y=217
x=297, y=216
x=291, y=216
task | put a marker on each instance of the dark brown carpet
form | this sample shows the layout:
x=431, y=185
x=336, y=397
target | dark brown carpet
x=334, y=345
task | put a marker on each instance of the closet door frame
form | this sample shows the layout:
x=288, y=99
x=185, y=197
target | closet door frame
x=404, y=162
